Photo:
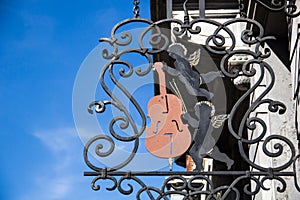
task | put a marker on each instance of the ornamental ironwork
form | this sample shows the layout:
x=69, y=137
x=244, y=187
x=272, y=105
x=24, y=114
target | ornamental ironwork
x=286, y=6
x=188, y=184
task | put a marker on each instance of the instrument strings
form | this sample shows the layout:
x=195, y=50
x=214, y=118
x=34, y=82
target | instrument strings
x=177, y=93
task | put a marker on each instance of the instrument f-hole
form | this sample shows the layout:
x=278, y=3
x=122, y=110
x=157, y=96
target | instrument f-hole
x=177, y=126
x=166, y=103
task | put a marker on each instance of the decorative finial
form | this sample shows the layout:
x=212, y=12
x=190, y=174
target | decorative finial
x=186, y=13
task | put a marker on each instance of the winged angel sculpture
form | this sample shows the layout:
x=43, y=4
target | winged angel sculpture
x=205, y=122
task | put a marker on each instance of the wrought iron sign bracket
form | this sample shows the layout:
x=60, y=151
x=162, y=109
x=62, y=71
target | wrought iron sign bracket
x=215, y=44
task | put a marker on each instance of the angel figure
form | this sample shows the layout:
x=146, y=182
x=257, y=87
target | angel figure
x=204, y=144
x=185, y=72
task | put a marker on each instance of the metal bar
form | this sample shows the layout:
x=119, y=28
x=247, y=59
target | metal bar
x=171, y=173
x=295, y=46
x=202, y=9
x=169, y=9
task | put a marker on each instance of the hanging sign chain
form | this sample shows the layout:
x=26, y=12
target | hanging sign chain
x=136, y=8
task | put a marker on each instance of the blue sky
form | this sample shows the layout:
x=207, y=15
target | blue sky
x=43, y=44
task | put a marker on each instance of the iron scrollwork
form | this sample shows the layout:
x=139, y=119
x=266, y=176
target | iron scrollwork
x=287, y=6
x=191, y=183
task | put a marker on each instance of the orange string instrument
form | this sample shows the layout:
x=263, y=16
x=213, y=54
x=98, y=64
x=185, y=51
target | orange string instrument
x=167, y=137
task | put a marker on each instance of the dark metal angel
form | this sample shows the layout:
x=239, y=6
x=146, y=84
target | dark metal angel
x=204, y=122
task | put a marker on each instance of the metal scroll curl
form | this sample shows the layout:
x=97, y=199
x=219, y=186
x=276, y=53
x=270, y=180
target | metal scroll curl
x=252, y=123
x=215, y=43
x=125, y=70
x=288, y=7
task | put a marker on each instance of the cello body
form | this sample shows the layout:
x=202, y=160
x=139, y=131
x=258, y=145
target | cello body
x=167, y=136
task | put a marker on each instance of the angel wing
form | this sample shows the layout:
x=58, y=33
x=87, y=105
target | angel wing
x=194, y=58
x=218, y=120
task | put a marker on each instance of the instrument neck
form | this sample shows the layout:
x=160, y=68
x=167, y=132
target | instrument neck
x=161, y=76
